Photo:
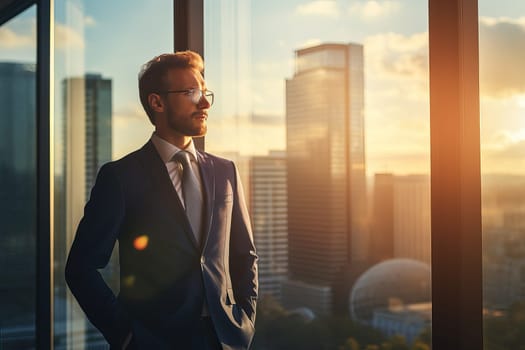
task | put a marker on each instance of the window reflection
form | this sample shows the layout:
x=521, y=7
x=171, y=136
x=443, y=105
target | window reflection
x=340, y=92
x=501, y=32
x=99, y=49
x=18, y=181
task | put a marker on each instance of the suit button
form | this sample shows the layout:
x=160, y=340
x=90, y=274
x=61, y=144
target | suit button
x=202, y=260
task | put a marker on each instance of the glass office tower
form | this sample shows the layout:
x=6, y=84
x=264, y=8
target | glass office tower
x=326, y=171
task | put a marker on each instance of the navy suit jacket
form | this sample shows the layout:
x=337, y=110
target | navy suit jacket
x=165, y=279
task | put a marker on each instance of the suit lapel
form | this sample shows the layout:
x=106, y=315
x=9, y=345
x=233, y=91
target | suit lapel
x=164, y=187
x=208, y=181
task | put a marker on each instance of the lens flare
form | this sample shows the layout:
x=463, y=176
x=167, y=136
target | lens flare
x=141, y=242
x=128, y=281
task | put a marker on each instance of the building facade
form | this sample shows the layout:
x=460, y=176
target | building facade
x=325, y=165
x=18, y=194
x=268, y=209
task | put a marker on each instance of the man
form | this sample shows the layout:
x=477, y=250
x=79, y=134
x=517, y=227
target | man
x=188, y=273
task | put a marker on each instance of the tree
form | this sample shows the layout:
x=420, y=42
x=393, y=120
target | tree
x=420, y=346
x=372, y=347
x=425, y=336
x=398, y=342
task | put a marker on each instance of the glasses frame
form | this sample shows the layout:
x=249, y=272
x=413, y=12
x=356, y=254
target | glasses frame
x=195, y=98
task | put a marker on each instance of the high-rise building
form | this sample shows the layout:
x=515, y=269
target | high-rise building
x=412, y=217
x=18, y=122
x=326, y=168
x=17, y=201
x=98, y=126
x=85, y=145
x=382, y=229
x=401, y=218
x=268, y=209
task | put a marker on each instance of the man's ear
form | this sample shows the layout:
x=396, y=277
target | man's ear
x=155, y=102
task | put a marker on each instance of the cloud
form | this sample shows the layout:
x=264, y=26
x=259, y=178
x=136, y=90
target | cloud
x=507, y=158
x=129, y=113
x=67, y=37
x=326, y=8
x=89, y=21
x=505, y=139
x=9, y=39
x=398, y=56
x=372, y=9
x=502, y=73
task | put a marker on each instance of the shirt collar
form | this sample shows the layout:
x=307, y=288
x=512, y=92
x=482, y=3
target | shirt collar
x=167, y=150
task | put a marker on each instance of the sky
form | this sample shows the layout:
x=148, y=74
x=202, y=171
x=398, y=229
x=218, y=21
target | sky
x=249, y=50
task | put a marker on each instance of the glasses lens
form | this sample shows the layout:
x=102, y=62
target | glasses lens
x=209, y=96
x=196, y=95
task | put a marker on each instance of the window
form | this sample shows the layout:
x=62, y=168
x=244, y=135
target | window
x=99, y=49
x=332, y=106
x=502, y=97
x=18, y=178
x=78, y=54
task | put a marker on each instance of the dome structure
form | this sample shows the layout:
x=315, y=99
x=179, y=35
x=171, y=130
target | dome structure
x=392, y=282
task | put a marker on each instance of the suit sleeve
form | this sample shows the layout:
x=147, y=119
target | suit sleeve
x=91, y=250
x=243, y=256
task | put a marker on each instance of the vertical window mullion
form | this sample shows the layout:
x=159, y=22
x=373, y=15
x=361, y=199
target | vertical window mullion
x=44, y=260
x=188, y=33
x=455, y=175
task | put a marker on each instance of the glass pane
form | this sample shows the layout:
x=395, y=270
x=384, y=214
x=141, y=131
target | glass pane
x=18, y=181
x=502, y=99
x=99, y=49
x=324, y=107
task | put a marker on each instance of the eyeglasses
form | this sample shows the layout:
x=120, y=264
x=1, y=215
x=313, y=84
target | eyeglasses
x=195, y=95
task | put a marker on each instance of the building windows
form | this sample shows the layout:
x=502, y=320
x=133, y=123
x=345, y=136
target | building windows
x=501, y=28
x=342, y=97
x=18, y=176
x=251, y=114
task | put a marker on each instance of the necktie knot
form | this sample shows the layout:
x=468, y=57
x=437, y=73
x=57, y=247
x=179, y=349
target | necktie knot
x=183, y=157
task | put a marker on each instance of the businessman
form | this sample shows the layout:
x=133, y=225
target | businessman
x=188, y=265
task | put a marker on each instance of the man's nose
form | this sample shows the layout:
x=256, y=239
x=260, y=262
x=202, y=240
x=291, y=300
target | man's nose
x=204, y=103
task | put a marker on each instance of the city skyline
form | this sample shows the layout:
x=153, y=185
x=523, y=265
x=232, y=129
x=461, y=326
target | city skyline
x=395, y=56
x=252, y=122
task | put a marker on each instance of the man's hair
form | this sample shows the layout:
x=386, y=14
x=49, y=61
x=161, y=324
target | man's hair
x=153, y=73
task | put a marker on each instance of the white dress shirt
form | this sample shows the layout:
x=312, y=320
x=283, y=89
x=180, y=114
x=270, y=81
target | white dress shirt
x=166, y=151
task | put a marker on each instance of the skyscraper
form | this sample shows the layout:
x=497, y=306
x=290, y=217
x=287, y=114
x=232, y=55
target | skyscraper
x=268, y=208
x=98, y=126
x=18, y=202
x=382, y=231
x=85, y=145
x=412, y=217
x=401, y=218
x=326, y=170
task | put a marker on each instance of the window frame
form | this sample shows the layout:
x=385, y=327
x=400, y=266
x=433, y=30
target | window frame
x=44, y=235
x=457, y=321
x=457, y=301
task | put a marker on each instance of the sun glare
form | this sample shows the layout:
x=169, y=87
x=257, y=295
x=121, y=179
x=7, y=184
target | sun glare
x=141, y=242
